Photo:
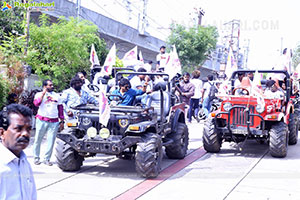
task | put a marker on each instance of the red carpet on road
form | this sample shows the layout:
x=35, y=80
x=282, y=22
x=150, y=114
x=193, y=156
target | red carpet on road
x=149, y=184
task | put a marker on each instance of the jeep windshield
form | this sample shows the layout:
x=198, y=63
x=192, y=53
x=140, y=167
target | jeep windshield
x=269, y=84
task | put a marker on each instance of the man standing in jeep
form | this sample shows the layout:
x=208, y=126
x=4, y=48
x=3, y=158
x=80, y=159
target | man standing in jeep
x=75, y=96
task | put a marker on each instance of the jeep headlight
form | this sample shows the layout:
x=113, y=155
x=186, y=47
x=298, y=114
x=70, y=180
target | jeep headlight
x=123, y=122
x=259, y=108
x=227, y=106
x=104, y=133
x=91, y=132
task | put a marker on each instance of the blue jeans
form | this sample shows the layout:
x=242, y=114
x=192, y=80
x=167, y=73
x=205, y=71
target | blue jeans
x=43, y=127
x=194, y=105
x=206, y=106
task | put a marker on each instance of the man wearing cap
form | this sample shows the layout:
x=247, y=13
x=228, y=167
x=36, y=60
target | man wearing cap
x=273, y=91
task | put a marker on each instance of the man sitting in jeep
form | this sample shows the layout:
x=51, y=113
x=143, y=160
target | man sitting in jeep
x=127, y=92
x=273, y=90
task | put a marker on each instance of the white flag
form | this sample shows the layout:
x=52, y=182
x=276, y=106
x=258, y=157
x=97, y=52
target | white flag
x=130, y=58
x=109, y=62
x=231, y=65
x=173, y=65
x=141, y=57
x=104, y=109
x=94, y=57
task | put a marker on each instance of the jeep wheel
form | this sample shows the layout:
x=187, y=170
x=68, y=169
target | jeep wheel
x=297, y=113
x=211, y=140
x=67, y=158
x=178, y=149
x=278, y=140
x=293, y=129
x=148, y=156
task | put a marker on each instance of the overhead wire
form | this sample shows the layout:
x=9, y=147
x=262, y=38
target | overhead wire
x=104, y=10
x=147, y=17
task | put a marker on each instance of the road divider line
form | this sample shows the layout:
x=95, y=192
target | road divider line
x=247, y=173
x=148, y=184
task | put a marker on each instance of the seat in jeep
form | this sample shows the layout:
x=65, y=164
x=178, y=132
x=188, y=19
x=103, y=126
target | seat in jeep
x=154, y=99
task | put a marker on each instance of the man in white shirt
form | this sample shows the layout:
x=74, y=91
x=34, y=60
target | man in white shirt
x=16, y=177
x=49, y=118
x=161, y=59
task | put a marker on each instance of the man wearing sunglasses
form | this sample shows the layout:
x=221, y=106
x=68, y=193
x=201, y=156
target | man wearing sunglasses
x=128, y=93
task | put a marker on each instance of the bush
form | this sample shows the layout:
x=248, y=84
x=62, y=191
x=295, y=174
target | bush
x=4, y=91
x=60, y=50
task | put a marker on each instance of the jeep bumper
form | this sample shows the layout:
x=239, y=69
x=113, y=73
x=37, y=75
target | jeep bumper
x=113, y=146
x=239, y=121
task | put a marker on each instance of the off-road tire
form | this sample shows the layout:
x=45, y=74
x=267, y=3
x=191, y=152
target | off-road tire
x=297, y=113
x=211, y=140
x=148, y=156
x=178, y=149
x=67, y=158
x=278, y=140
x=293, y=129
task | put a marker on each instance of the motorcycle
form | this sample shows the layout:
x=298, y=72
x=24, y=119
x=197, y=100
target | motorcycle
x=215, y=104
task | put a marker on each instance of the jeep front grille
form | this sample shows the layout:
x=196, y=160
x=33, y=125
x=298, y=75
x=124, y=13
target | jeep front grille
x=239, y=117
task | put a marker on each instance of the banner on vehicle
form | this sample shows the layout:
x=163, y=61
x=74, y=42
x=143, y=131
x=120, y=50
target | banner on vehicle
x=173, y=65
x=130, y=58
x=94, y=57
x=110, y=61
x=104, y=109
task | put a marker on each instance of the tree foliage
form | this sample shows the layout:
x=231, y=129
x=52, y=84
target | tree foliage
x=57, y=51
x=193, y=44
x=4, y=91
x=11, y=21
x=296, y=56
x=13, y=72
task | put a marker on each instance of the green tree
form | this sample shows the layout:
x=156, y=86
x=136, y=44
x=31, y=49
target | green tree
x=59, y=50
x=296, y=56
x=11, y=20
x=4, y=91
x=12, y=72
x=193, y=44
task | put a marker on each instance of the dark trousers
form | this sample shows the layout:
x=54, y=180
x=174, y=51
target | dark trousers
x=194, y=105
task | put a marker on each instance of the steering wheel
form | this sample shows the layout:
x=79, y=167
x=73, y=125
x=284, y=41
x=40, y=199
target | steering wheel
x=94, y=88
x=115, y=97
x=243, y=89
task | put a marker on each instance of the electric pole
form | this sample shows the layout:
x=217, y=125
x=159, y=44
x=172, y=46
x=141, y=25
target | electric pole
x=129, y=10
x=200, y=15
x=143, y=19
x=78, y=5
x=234, y=37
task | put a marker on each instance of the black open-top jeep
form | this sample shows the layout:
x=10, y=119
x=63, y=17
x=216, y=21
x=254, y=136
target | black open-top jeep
x=138, y=131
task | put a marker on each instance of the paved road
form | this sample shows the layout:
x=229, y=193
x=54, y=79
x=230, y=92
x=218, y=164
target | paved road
x=250, y=173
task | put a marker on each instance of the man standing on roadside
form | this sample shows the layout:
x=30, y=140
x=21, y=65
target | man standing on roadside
x=49, y=118
x=16, y=177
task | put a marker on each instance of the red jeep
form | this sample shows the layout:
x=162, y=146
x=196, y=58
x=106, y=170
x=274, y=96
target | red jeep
x=240, y=118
